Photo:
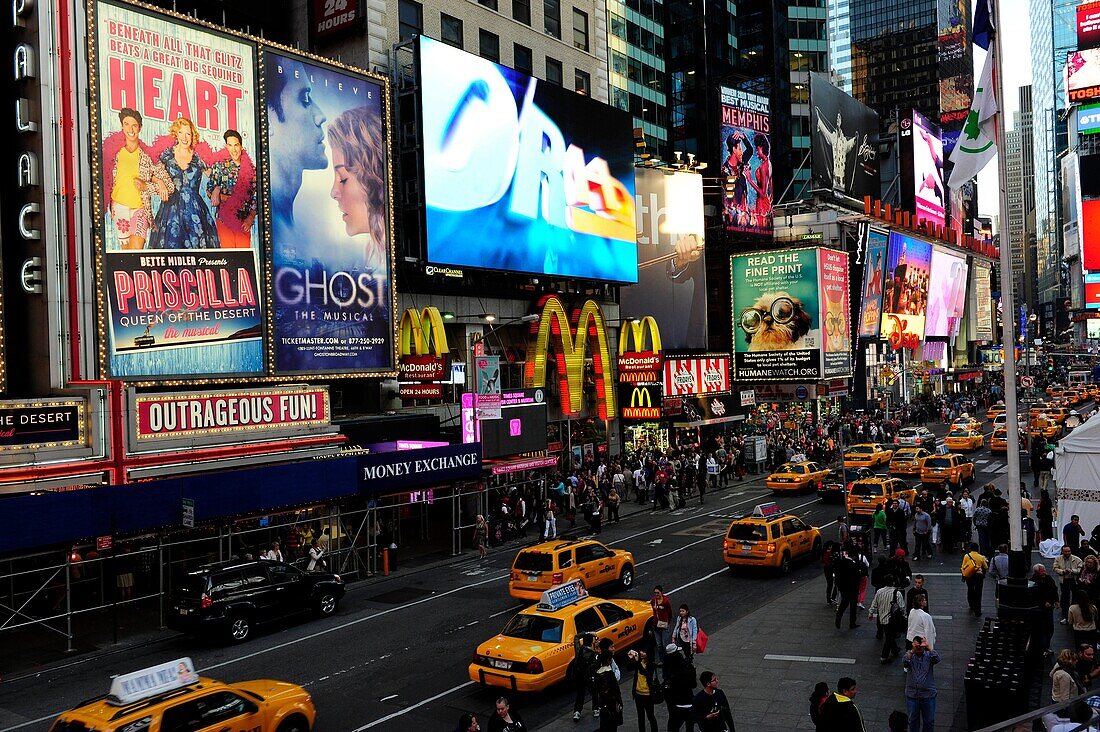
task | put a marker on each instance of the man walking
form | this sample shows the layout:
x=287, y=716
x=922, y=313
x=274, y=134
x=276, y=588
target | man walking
x=920, y=686
x=1068, y=567
x=584, y=658
x=839, y=713
x=887, y=606
x=973, y=569
x=711, y=709
x=847, y=573
x=1072, y=533
x=922, y=533
x=1047, y=594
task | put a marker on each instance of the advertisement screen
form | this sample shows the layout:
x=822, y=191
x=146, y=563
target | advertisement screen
x=1088, y=119
x=1082, y=76
x=948, y=281
x=981, y=303
x=1088, y=25
x=870, y=313
x=747, y=165
x=1092, y=290
x=671, y=244
x=844, y=156
x=922, y=168
x=905, y=295
x=178, y=237
x=954, y=57
x=790, y=311
x=696, y=375
x=523, y=175
x=331, y=265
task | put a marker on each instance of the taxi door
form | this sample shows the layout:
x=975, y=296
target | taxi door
x=603, y=564
x=796, y=540
x=221, y=711
x=588, y=567
x=621, y=624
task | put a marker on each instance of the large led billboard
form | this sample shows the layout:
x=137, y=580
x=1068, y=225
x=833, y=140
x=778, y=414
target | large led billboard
x=843, y=132
x=905, y=294
x=923, y=190
x=791, y=315
x=981, y=303
x=874, y=270
x=946, y=294
x=521, y=174
x=1088, y=25
x=955, y=64
x=331, y=257
x=746, y=162
x=1092, y=290
x=1082, y=76
x=671, y=245
x=177, y=233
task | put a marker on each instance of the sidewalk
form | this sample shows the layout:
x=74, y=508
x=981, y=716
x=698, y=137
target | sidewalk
x=769, y=660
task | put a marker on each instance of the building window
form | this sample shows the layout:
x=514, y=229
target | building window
x=410, y=19
x=522, y=59
x=450, y=30
x=553, y=71
x=489, y=45
x=580, y=29
x=521, y=11
x=551, y=17
x=491, y=4
x=582, y=82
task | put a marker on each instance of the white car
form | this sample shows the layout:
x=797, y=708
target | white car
x=915, y=437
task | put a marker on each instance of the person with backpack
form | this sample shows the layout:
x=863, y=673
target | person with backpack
x=606, y=696
x=679, y=683
x=839, y=713
x=888, y=607
x=848, y=573
x=973, y=570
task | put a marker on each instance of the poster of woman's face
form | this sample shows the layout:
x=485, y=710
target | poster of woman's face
x=176, y=207
x=330, y=218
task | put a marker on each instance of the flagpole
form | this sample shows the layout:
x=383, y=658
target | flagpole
x=1017, y=568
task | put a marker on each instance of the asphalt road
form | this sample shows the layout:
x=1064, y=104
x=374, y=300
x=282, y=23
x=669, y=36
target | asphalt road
x=397, y=651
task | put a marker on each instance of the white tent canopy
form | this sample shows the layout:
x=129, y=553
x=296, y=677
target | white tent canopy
x=1077, y=475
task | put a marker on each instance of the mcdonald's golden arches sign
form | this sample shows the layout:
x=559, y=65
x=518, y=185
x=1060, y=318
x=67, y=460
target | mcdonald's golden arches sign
x=637, y=363
x=422, y=348
x=570, y=339
x=640, y=401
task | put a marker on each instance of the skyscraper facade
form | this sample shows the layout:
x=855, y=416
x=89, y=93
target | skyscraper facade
x=840, y=44
x=1053, y=36
x=638, y=82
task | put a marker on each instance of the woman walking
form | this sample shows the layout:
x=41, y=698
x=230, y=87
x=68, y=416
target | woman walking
x=481, y=535
x=685, y=632
x=644, y=688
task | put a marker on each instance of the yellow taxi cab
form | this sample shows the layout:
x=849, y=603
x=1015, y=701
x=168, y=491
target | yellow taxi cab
x=992, y=412
x=908, y=460
x=966, y=422
x=868, y=494
x=951, y=469
x=998, y=441
x=1038, y=408
x=960, y=439
x=1057, y=414
x=797, y=477
x=535, y=650
x=1046, y=427
x=539, y=568
x=1072, y=397
x=1054, y=391
x=172, y=696
x=769, y=538
x=867, y=455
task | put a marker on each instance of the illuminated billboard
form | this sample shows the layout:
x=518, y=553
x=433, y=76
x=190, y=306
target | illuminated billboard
x=521, y=174
x=747, y=166
x=178, y=242
x=695, y=375
x=331, y=256
x=870, y=312
x=1092, y=290
x=671, y=245
x=905, y=294
x=1082, y=76
x=981, y=303
x=791, y=315
x=946, y=294
x=1088, y=119
x=1088, y=25
x=923, y=190
x=844, y=155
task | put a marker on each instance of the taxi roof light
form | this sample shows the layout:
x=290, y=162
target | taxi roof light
x=148, y=682
x=561, y=596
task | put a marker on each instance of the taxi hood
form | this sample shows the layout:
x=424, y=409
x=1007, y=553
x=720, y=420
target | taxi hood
x=269, y=689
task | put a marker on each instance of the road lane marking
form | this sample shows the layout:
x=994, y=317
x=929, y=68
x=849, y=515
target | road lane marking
x=942, y=617
x=406, y=710
x=809, y=659
x=387, y=698
x=511, y=609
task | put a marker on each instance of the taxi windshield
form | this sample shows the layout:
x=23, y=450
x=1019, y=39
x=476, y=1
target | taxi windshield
x=866, y=489
x=748, y=532
x=534, y=562
x=534, y=628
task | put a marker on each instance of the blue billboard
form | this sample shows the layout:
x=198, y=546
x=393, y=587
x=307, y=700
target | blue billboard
x=1088, y=119
x=523, y=175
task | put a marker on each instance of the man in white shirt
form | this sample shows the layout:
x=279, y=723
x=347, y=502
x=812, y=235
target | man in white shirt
x=920, y=624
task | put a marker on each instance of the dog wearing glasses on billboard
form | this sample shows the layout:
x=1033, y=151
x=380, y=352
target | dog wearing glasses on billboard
x=776, y=322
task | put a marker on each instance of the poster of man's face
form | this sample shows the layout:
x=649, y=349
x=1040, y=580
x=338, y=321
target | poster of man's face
x=844, y=156
x=330, y=218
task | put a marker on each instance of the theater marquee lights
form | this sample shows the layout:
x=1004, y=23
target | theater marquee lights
x=570, y=341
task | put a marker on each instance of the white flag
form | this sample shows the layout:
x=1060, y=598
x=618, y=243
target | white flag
x=976, y=146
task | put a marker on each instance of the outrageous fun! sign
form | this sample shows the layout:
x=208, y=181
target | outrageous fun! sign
x=163, y=416
x=178, y=239
x=791, y=315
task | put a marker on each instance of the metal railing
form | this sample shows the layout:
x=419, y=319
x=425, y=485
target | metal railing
x=1058, y=713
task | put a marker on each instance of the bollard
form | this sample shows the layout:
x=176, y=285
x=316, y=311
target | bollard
x=386, y=562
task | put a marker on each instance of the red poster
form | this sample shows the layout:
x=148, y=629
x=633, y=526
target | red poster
x=332, y=17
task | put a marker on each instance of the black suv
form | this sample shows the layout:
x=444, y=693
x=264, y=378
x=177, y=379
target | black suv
x=231, y=597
